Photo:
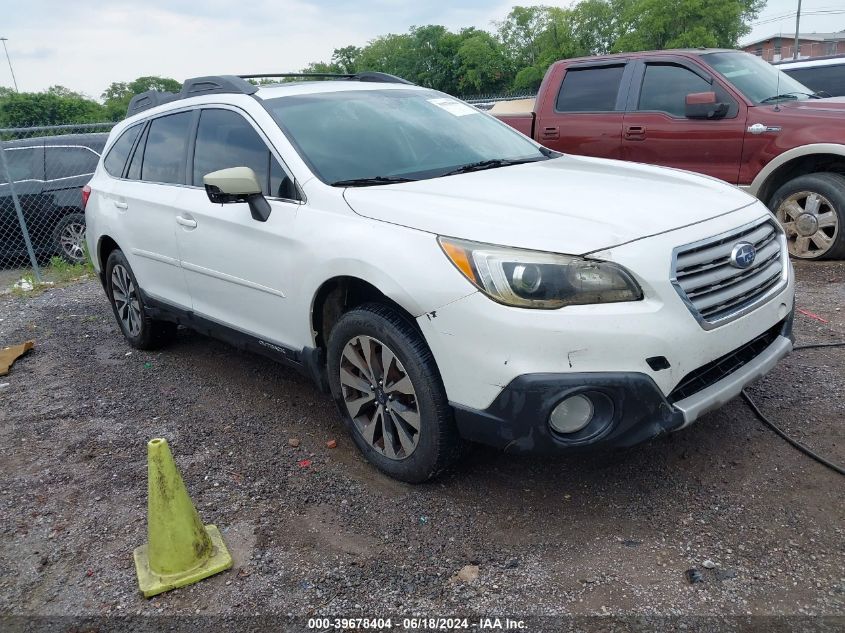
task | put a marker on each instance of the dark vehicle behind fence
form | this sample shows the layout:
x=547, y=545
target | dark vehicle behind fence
x=48, y=174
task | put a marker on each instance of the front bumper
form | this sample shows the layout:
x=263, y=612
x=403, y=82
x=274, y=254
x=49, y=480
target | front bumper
x=517, y=420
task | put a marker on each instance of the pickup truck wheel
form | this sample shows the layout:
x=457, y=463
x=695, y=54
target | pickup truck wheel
x=388, y=390
x=138, y=328
x=811, y=209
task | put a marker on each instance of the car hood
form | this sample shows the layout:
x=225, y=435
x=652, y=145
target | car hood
x=829, y=106
x=570, y=204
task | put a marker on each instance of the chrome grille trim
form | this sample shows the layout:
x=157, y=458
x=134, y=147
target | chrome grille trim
x=714, y=291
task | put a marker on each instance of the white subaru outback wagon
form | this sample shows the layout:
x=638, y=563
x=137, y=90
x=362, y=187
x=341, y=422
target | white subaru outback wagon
x=442, y=275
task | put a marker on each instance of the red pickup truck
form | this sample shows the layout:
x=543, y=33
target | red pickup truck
x=723, y=113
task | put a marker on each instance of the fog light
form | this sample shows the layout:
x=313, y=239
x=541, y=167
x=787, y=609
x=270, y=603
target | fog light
x=572, y=414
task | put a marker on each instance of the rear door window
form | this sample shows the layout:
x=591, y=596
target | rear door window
x=67, y=162
x=115, y=160
x=590, y=89
x=165, y=150
x=225, y=139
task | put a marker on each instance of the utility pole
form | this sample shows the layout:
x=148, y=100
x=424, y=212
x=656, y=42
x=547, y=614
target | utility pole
x=14, y=81
x=797, y=22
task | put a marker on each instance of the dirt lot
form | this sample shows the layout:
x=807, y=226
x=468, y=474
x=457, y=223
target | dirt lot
x=577, y=535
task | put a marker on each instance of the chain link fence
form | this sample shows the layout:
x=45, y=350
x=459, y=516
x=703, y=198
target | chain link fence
x=42, y=173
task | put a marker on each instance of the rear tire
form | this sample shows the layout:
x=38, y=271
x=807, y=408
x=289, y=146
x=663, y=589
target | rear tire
x=141, y=331
x=811, y=209
x=389, y=393
x=69, y=238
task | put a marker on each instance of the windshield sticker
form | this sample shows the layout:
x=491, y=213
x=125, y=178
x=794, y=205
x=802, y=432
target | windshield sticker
x=455, y=108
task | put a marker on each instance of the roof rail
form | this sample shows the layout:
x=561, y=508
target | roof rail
x=149, y=99
x=238, y=84
x=362, y=76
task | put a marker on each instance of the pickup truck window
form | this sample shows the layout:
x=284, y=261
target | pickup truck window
x=758, y=80
x=665, y=87
x=394, y=134
x=590, y=89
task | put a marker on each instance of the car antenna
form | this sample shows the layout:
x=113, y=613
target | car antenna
x=777, y=90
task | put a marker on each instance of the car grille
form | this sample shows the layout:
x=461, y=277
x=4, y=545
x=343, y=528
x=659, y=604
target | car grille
x=714, y=371
x=713, y=289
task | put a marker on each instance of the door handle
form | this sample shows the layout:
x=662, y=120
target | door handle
x=550, y=133
x=120, y=205
x=189, y=223
x=635, y=132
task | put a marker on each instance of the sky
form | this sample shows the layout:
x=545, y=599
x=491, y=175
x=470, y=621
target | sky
x=85, y=45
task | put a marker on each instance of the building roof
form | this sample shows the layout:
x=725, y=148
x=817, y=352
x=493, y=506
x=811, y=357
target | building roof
x=810, y=37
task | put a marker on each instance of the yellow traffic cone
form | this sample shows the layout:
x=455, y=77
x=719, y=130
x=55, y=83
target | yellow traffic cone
x=179, y=550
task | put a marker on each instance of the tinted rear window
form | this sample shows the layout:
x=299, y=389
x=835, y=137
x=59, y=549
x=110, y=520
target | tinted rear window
x=590, y=89
x=164, y=154
x=116, y=158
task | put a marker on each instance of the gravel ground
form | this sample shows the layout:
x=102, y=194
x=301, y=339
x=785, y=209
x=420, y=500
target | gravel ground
x=577, y=535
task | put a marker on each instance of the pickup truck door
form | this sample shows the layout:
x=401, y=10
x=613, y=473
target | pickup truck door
x=656, y=130
x=585, y=114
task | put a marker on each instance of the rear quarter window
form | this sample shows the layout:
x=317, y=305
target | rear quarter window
x=115, y=160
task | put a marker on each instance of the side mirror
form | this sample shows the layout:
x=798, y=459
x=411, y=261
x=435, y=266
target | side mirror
x=703, y=105
x=237, y=184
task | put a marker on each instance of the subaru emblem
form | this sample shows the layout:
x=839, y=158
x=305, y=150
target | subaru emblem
x=743, y=254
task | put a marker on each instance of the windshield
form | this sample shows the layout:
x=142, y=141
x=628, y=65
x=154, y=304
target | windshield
x=756, y=79
x=391, y=135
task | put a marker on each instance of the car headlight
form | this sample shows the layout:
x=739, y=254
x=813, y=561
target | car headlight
x=535, y=279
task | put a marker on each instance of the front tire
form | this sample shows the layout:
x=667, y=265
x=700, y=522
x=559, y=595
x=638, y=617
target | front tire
x=811, y=209
x=141, y=331
x=388, y=390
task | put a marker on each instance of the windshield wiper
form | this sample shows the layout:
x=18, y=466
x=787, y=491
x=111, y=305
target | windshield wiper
x=369, y=182
x=789, y=95
x=489, y=164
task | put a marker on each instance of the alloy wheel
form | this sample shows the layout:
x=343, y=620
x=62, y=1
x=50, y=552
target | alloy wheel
x=379, y=397
x=72, y=241
x=126, y=300
x=810, y=222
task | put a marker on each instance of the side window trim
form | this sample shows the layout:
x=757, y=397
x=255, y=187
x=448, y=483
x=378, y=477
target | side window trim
x=272, y=148
x=139, y=146
x=192, y=146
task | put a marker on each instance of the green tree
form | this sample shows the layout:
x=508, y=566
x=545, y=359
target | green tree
x=483, y=65
x=55, y=106
x=658, y=24
x=346, y=59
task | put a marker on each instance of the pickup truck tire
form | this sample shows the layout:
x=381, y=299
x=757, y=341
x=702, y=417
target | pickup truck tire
x=811, y=208
x=388, y=390
x=140, y=331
